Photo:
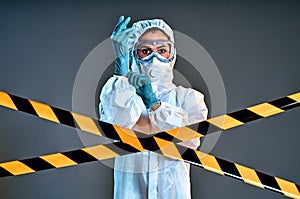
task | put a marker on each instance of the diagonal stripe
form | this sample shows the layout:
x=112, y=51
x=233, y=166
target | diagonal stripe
x=6, y=101
x=249, y=175
x=64, y=117
x=58, y=160
x=189, y=155
x=245, y=115
x=285, y=103
x=298, y=187
x=165, y=136
x=168, y=148
x=23, y=105
x=108, y=130
x=37, y=164
x=101, y=152
x=86, y=124
x=184, y=133
x=210, y=163
x=128, y=136
x=229, y=168
x=295, y=96
x=79, y=156
x=122, y=148
x=44, y=111
x=265, y=109
x=149, y=144
x=205, y=128
x=289, y=189
x=4, y=172
x=16, y=167
x=224, y=122
x=268, y=181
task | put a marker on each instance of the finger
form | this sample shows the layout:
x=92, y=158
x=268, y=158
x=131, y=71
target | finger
x=124, y=23
x=121, y=18
x=135, y=81
x=139, y=82
x=130, y=78
x=127, y=20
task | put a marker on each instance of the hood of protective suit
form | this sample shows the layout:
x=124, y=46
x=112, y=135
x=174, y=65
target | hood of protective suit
x=164, y=82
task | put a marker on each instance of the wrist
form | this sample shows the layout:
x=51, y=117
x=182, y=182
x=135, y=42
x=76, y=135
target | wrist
x=121, y=68
x=152, y=104
x=156, y=106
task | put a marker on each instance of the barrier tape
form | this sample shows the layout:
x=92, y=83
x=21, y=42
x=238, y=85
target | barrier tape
x=91, y=125
x=159, y=142
x=169, y=149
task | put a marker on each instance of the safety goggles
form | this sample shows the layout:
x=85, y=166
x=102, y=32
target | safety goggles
x=147, y=48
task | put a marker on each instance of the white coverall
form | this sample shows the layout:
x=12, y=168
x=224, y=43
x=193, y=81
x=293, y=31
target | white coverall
x=148, y=174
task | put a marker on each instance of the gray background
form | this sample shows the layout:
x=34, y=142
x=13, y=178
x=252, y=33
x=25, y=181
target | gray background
x=255, y=45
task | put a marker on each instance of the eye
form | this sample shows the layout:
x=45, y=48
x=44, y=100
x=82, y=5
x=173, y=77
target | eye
x=145, y=51
x=162, y=51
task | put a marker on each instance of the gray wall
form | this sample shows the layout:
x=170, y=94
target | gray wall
x=255, y=45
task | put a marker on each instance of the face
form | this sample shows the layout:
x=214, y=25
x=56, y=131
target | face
x=153, y=41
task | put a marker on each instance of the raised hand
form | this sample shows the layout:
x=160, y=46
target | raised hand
x=120, y=41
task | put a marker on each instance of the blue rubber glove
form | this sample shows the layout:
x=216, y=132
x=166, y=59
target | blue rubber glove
x=137, y=80
x=119, y=40
x=144, y=89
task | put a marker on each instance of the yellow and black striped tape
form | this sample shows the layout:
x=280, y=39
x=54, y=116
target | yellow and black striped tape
x=169, y=149
x=181, y=134
x=160, y=142
x=237, y=118
x=64, y=159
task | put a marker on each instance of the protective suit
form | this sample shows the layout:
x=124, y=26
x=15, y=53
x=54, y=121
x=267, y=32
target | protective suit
x=148, y=174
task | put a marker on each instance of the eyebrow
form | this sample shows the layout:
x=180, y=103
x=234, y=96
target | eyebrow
x=163, y=45
x=144, y=46
x=158, y=46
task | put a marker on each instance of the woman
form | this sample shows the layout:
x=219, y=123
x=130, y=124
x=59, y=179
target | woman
x=141, y=96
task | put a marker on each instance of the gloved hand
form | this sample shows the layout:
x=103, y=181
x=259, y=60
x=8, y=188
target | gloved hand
x=119, y=38
x=137, y=80
x=143, y=87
